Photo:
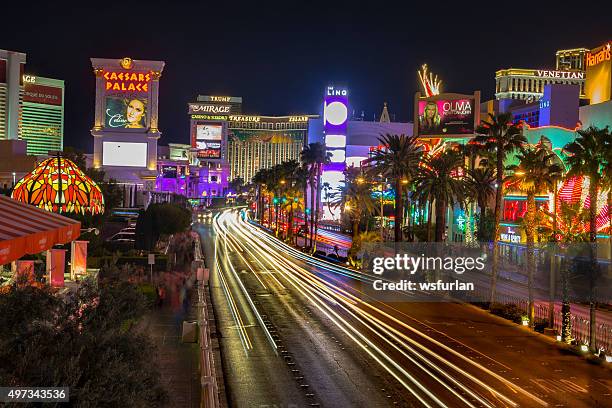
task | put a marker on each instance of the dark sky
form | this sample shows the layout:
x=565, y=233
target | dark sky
x=279, y=58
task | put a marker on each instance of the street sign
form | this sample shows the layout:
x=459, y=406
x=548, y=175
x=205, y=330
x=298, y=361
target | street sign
x=151, y=259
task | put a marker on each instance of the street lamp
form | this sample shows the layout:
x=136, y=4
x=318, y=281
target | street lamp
x=14, y=179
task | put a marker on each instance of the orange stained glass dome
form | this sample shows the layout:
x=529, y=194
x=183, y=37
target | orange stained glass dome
x=58, y=185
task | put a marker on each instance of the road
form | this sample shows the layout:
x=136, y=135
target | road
x=281, y=311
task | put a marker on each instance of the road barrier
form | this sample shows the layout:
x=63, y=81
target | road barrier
x=208, y=379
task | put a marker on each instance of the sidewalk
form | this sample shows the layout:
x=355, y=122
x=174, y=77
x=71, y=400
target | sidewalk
x=178, y=361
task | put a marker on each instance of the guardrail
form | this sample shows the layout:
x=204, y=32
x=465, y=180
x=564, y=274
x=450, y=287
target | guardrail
x=208, y=379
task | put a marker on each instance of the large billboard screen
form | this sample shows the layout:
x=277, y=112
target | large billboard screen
x=125, y=112
x=446, y=117
x=208, y=132
x=124, y=154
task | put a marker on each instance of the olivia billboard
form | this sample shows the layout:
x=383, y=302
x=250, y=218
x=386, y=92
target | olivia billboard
x=446, y=116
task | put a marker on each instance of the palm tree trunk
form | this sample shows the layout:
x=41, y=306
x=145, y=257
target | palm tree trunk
x=530, y=235
x=481, y=221
x=312, y=205
x=498, y=216
x=429, y=211
x=593, y=257
x=399, y=210
x=440, y=220
x=318, y=203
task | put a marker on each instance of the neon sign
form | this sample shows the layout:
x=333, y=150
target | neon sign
x=127, y=81
x=603, y=55
x=209, y=108
x=220, y=98
x=560, y=74
x=244, y=118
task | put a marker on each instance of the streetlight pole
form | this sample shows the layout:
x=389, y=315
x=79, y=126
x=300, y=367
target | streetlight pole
x=382, y=209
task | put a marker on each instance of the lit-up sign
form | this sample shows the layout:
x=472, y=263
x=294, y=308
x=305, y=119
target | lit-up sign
x=335, y=141
x=560, y=74
x=126, y=81
x=244, y=118
x=510, y=236
x=331, y=91
x=298, y=119
x=220, y=98
x=208, y=132
x=209, y=117
x=207, y=108
x=126, y=113
x=48, y=95
x=446, y=117
x=29, y=79
x=604, y=54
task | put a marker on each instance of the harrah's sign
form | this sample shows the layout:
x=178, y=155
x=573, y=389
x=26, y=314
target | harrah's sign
x=600, y=56
x=127, y=81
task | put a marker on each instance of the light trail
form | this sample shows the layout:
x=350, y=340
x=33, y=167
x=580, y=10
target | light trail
x=318, y=290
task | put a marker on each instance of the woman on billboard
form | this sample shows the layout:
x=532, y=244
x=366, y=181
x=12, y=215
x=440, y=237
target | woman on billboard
x=135, y=112
x=429, y=121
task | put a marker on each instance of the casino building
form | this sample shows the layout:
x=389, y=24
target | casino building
x=42, y=115
x=225, y=144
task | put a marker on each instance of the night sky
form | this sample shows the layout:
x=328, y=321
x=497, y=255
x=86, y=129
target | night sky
x=280, y=58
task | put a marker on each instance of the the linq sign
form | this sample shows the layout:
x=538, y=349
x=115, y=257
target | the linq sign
x=331, y=91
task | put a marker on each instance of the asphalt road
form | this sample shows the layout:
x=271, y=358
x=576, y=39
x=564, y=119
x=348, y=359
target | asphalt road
x=299, y=331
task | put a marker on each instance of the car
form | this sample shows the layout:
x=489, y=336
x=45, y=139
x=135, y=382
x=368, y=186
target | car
x=123, y=236
x=205, y=215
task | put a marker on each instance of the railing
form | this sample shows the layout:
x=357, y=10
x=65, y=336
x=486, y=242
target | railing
x=580, y=327
x=208, y=379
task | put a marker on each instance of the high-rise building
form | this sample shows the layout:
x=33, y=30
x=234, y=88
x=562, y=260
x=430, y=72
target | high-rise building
x=256, y=142
x=11, y=89
x=599, y=74
x=571, y=60
x=528, y=84
x=42, y=114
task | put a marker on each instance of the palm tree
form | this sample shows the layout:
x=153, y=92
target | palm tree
x=480, y=183
x=355, y=198
x=536, y=173
x=501, y=136
x=588, y=156
x=398, y=160
x=439, y=182
x=314, y=156
x=259, y=179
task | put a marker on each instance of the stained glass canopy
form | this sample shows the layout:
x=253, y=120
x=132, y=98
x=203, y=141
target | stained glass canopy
x=58, y=185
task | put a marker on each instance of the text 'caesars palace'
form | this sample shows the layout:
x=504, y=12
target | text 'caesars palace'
x=227, y=141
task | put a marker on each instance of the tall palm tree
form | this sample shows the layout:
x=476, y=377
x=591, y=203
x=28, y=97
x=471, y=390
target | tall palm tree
x=259, y=179
x=480, y=183
x=314, y=156
x=588, y=156
x=536, y=173
x=439, y=182
x=398, y=160
x=355, y=199
x=501, y=136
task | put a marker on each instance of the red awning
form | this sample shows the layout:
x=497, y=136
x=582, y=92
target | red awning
x=25, y=229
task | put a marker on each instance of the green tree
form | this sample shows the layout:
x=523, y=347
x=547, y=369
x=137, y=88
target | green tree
x=158, y=220
x=536, y=173
x=439, y=182
x=588, y=156
x=480, y=184
x=500, y=136
x=314, y=156
x=398, y=160
x=87, y=341
x=355, y=199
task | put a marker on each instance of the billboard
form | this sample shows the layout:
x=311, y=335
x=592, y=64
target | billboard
x=124, y=154
x=208, y=132
x=446, y=116
x=48, y=95
x=124, y=112
x=207, y=138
